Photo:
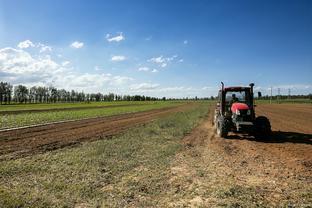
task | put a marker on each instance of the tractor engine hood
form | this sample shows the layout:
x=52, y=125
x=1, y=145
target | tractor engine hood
x=239, y=106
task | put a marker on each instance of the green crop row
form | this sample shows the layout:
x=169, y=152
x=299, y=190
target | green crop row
x=39, y=106
x=25, y=119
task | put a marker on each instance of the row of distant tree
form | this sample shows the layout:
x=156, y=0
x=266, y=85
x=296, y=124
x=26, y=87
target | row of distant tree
x=41, y=94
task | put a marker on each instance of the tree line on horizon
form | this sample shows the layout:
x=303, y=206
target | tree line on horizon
x=42, y=94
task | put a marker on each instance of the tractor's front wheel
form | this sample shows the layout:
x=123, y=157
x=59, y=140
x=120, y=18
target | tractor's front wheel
x=222, y=127
x=262, y=128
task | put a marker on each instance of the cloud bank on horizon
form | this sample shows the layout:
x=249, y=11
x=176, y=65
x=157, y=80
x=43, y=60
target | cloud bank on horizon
x=19, y=66
x=170, y=61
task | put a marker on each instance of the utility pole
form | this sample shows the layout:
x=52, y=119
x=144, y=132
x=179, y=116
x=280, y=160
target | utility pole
x=271, y=96
x=289, y=94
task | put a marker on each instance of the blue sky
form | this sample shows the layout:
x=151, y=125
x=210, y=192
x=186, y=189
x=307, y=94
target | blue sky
x=170, y=48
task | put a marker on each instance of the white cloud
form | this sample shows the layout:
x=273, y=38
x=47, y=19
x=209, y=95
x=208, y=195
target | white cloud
x=65, y=63
x=97, y=81
x=97, y=68
x=20, y=67
x=162, y=61
x=147, y=69
x=163, y=65
x=117, y=38
x=15, y=61
x=185, y=42
x=28, y=44
x=173, y=57
x=158, y=60
x=44, y=48
x=25, y=44
x=144, y=69
x=143, y=87
x=118, y=58
x=174, y=89
x=208, y=88
x=152, y=89
x=119, y=80
x=76, y=44
x=180, y=60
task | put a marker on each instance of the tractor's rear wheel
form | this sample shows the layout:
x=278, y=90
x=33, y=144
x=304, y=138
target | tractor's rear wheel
x=222, y=127
x=262, y=128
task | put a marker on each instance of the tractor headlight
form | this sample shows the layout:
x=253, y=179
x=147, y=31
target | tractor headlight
x=248, y=112
x=237, y=112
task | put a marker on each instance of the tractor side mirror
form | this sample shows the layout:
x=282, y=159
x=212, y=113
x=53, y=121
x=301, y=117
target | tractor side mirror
x=259, y=94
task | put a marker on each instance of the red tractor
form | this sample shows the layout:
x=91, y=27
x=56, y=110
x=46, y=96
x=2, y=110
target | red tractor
x=236, y=112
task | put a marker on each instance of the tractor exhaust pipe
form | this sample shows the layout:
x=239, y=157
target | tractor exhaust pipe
x=251, y=87
x=222, y=86
x=252, y=95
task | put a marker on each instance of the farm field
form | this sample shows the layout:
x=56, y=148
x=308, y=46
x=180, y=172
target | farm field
x=147, y=104
x=34, y=107
x=157, y=158
x=53, y=136
x=30, y=115
x=79, y=176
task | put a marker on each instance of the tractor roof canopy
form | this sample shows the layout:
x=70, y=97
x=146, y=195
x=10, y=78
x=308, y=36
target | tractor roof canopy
x=236, y=88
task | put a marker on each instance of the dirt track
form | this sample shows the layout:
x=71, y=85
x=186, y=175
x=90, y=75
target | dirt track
x=23, y=142
x=245, y=172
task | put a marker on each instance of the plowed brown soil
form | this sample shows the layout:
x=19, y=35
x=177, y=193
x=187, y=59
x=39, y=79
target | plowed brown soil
x=243, y=172
x=288, y=117
x=23, y=142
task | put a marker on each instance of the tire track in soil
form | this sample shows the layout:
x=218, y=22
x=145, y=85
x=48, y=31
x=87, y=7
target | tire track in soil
x=24, y=142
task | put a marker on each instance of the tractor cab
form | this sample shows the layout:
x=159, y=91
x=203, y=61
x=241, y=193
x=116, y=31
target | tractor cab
x=237, y=98
x=236, y=101
x=235, y=111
